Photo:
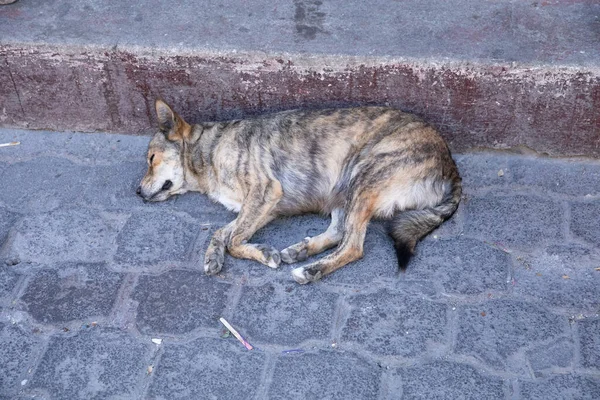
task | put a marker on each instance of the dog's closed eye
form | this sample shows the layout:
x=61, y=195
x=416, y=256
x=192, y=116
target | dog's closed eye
x=167, y=185
x=151, y=159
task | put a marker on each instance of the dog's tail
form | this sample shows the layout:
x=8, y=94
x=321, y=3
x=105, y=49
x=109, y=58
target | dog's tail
x=408, y=227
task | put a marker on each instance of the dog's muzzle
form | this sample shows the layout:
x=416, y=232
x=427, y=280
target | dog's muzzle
x=140, y=193
x=166, y=186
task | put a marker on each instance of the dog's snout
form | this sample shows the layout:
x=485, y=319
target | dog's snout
x=138, y=191
x=167, y=185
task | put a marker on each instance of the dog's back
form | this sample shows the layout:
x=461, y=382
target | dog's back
x=319, y=155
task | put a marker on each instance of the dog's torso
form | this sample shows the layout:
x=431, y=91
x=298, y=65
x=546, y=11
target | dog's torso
x=315, y=155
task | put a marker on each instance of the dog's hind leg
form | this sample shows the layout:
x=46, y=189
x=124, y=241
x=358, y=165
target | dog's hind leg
x=357, y=218
x=256, y=212
x=317, y=244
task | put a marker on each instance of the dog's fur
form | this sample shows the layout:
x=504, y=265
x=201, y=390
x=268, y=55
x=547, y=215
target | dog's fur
x=355, y=164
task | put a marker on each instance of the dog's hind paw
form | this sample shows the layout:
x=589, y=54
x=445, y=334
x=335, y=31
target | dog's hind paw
x=272, y=258
x=303, y=275
x=296, y=252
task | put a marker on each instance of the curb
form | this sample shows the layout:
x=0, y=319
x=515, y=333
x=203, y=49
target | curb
x=551, y=109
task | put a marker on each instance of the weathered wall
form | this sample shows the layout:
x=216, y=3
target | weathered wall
x=553, y=110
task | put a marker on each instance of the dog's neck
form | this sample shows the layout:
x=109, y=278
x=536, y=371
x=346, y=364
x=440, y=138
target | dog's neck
x=194, y=166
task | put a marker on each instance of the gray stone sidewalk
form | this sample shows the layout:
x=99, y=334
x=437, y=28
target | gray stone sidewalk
x=502, y=302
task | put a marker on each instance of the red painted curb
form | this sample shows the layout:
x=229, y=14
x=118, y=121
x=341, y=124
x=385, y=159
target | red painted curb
x=549, y=109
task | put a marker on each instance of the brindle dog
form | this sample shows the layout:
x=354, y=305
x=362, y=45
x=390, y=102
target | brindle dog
x=354, y=164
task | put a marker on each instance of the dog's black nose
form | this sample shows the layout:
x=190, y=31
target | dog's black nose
x=167, y=185
x=139, y=191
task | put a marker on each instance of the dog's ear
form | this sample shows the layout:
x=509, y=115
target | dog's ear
x=170, y=123
x=166, y=116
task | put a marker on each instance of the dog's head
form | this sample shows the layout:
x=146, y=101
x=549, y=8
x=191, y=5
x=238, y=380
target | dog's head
x=165, y=176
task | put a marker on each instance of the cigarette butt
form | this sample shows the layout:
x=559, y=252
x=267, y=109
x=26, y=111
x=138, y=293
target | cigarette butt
x=10, y=144
x=235, y=333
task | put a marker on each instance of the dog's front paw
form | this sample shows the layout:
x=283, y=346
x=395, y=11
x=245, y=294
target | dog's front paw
x=213, y=260
x=271, y=256
x=306, y=274
x=296, y=252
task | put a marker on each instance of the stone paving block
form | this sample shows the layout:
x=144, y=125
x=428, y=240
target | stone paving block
x=562, y=276
x=415, y=288
x=207, y=369
x=32, y=144
x=7, y=219
x=494, y=331
x=584, y=221
x=114, y=186
x=152, y=237
x=452, y=227
x=324, y=375
x=100, y=149
x=481, y=169
x=177, y=302
x=395, y=324
x=562, y=387
x=446, y=380
x=106, y=149
x=72, y=292
x=557, y=354
x=64, y=235
x=8, y=280
x=570, y=177
x=16, y=348
x=285, y=314
x=589, y=339
x=461, y=265
x=200, y=206
x=94, y=364
x=88, y=148
x=379, y=261
x=43, y=184
x=518, y=220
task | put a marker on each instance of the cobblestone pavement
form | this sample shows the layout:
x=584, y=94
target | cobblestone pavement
x=501, y=302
